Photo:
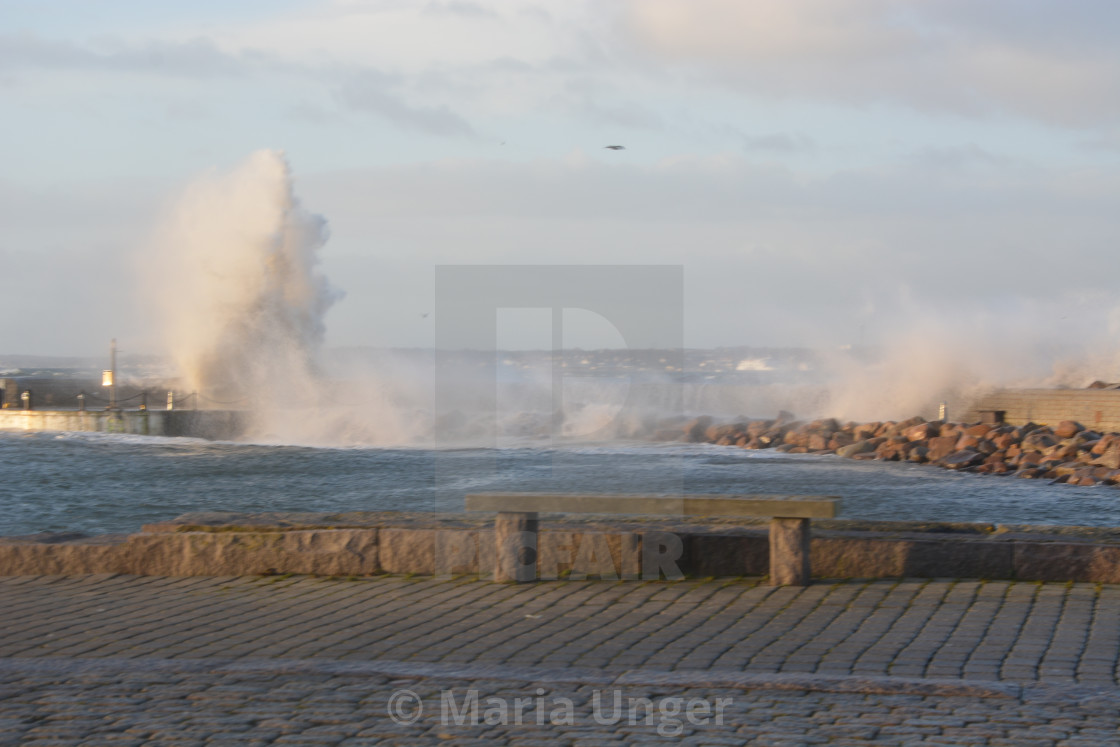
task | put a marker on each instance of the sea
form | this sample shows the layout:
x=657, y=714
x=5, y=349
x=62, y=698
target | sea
x=101, y=483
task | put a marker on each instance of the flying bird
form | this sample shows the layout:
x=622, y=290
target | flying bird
x=615, y=147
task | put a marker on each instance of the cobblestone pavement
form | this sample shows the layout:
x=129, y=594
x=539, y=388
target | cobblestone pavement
x=144, y=660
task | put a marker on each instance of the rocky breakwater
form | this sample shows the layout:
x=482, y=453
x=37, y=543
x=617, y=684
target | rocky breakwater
x=1065, y=453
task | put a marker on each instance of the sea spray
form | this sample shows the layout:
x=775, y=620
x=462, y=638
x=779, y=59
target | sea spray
x=239, y=292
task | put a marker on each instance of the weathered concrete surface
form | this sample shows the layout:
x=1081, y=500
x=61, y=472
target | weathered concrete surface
x=390, y=542
x=318, y=552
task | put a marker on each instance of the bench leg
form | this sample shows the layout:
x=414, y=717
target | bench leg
x=789, y=552
x=516, y=537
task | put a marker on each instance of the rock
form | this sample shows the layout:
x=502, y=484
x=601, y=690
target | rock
x=796, y=437
x=909, y=422
x=864, y=431
x=1039, y=441
x=1066, y=468
x=967, y=441
x=825, y=424
x=697, y=430
x=1102, y=444
x=918, y=454
x=1003, y=440
x=1068, y=429
x=841, y=439
x=941, y=447
x=1064, y=451
x=922, y=431
x=859, y=447
x=1110, y=458
x=980, y=430
x=729, y=431
x=817, y=442
x=962, y=459
x=999, y=468
x=1030, y=473
x=951, y=429
x=756, y=428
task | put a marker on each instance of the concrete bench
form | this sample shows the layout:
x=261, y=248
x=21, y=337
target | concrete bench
x=516, y=526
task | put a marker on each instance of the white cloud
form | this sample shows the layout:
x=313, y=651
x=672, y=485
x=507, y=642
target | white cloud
x=1050, y=62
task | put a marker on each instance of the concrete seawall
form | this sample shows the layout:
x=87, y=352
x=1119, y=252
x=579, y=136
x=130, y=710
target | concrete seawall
x=1098, y=409
x=440, y=544
x=212, y=424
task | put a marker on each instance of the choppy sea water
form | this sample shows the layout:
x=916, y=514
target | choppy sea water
x=97, y=483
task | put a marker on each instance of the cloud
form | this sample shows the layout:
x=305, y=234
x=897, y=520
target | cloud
x=1048, y=62
x=196, y=58
x=371, y=92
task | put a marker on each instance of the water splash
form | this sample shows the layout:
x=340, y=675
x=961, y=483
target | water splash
x=240, y=295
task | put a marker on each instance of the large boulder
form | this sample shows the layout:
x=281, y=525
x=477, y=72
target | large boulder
x=825, y=424
x=1068, y=429
x=1110, y=458
x=859, y=447
x=962, y=459
x=922, y=431
x=1039, y=441
x=941, y=447
x=1102, y=444
x=865, y=430
x=951, y=429
x=696, y=430
x=756, y=428
x=726, y=433
x=1003, y=440
x=818, y=441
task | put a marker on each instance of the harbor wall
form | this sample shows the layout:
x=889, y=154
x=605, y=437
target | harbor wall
x=1098, y=409
x=211, y=424
x=388, y=542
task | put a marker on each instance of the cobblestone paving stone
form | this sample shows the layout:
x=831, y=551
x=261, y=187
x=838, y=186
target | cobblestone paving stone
x=124, y=660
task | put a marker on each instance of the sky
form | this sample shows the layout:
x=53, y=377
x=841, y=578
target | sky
x=825, y=173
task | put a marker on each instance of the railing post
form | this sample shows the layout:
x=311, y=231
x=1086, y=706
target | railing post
x=789, y=552
x=516, y=535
